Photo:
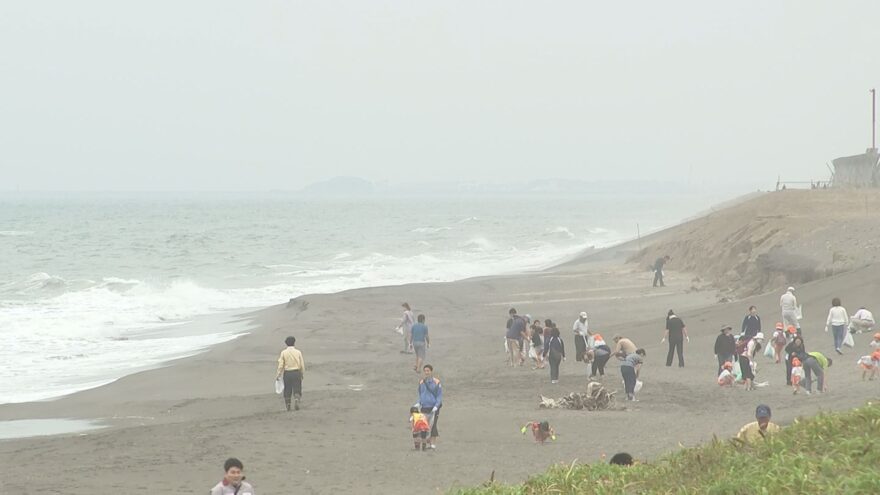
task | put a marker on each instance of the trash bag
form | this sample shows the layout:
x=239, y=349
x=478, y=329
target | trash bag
x=848, y=340
x=737, y=371
x=638, y=386
x=770, y=352
x=279, y=386
x=799, y=312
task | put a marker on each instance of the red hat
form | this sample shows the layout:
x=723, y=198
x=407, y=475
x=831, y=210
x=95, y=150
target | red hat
x=791, y=329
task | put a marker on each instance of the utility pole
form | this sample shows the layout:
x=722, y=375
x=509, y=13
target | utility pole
x=873, y=118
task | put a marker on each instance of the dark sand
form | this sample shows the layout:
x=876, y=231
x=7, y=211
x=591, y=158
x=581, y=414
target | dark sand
x=171, y=428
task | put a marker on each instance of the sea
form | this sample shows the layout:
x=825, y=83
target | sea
x=96, y=286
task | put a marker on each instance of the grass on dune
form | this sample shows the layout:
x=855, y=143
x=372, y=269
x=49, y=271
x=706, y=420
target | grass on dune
x=829, y=453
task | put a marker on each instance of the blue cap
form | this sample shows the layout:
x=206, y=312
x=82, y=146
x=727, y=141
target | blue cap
x=763, y=411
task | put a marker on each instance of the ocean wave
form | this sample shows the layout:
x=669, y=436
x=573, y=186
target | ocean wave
x=429, y=230
x=16, y=233
x=561, y=230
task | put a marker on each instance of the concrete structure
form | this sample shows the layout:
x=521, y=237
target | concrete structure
x=858, y=170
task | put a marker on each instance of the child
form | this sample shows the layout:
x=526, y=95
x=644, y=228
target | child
x=726, y=378
x=875, y=344
x=870, y=363
x=780, y=339
x=420, y=428
x=797, y=373
x=541, y=431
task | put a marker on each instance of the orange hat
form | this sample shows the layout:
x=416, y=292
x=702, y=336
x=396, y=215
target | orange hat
x=795, y=362
x=779, y=325
x=877, y=336
x=791, y=329
x=727, y=365
x=876, y=355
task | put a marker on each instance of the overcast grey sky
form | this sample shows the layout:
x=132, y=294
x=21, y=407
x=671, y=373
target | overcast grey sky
x=217, y=95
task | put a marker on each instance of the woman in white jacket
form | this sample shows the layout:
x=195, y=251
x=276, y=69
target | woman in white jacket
x=838, y=320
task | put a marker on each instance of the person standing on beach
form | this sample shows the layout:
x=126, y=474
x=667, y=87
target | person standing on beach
x=554, y=351
x=748, y=357
x=838, y=320
x=581, y=329
x=725, y=347
x=421, y=341
x=794, y=349
x=751, y=323
x=676, y=333
x=430, y=401
x=405, y=328
x=789, y=305
x=658, y=270
x=292, y=367
x=779, y=340
x=233, y=482
x=629, y=369
x=516, y=330
x=537, y=333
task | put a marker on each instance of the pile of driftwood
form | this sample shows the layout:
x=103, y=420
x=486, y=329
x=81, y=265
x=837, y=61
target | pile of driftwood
x=596, y=398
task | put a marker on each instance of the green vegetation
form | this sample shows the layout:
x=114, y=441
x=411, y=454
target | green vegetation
x=830, y=453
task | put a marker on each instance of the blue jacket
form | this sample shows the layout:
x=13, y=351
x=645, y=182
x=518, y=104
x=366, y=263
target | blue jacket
x=430, y=393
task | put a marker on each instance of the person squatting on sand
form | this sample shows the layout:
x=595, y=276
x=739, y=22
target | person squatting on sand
x=838, y=321
x=751, y=323
x=816, y=364
x=581, y=330
x=726, y=378
x=233, y=482
x=554, y=352
x=405, y=327
x=629, y=369
x=725, y=347
x=420, y=428
x=862, y=321
x=430, y=401
x=760, y=429
x=789, y=305
x=293, y=368
x=871, y=363
x=747, y=358
x=676, y=333
x=516, y=330
x=658, y=270
x=420, y=341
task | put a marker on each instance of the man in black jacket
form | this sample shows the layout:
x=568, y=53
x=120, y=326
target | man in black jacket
x=658, y=270
x=751, y=323
x=725, y=347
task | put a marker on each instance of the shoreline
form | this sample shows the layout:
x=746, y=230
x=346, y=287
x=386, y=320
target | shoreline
x=358, y=386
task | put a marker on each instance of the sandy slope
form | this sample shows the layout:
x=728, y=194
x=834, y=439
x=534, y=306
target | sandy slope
x=172, y=427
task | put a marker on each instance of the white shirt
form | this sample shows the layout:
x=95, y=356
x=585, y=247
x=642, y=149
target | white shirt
x=788, y=302
x=837, y=316
x=863, y=314
x=580, y=327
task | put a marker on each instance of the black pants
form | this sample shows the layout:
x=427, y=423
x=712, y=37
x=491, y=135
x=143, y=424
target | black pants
x=293, y=384
x=580, y=347
x=629, y=379
x=788, y=370
x=673, y=345
x=658, y=278
x=555, y=359
x=599, y=365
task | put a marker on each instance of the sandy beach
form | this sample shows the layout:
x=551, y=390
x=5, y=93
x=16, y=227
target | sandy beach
x=170, y=429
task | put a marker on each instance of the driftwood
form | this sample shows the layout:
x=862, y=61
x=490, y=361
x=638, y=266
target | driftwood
x=596, y=398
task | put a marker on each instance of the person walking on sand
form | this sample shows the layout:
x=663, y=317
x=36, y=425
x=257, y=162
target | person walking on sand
x=676, y=333
x=816, y=364
x=537, y=340
x=581, y=329
x=748, y=357
x=725, y=347
x=789, y=305
x=760, y=429
x=516, y=330
x=430, y=401
x=629, y=369
x=421, y=341
x=838, y=320
x=233, y=482
x=405, y=328
x=779, y=340
x=554, y=351
x=658, y=270
x=751, y=323
x=292, y=367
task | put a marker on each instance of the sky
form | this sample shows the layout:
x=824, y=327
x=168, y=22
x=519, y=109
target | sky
x=232, y=95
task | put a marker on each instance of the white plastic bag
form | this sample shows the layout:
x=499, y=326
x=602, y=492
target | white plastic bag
x=848, y=340
x=532, y=353
x=638, y=386
x=799, y=312
x=279, y=386
x=770, y=352
x=737, y=371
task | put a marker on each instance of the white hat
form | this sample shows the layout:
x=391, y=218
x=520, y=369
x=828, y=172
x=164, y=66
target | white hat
x=790, y=289
x=583, y=314
x=759, y=336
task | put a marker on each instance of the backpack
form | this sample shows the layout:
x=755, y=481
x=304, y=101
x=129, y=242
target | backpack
x=779, y=338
